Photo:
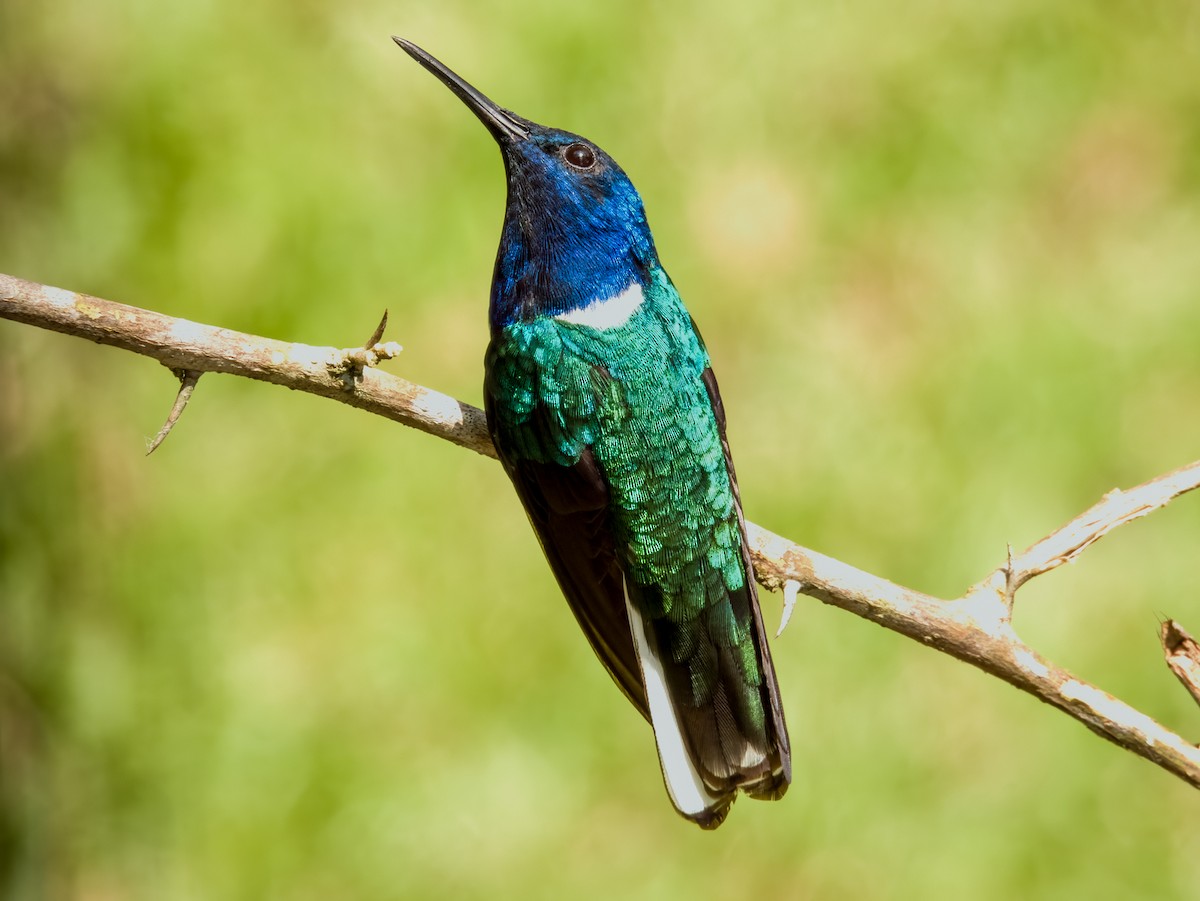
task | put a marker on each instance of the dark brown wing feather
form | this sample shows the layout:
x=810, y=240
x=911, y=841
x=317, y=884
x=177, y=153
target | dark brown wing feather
x=568, y=508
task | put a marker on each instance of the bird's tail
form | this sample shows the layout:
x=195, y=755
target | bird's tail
x=710, y=752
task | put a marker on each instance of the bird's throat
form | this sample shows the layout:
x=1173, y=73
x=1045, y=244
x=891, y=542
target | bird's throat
x=609, y=313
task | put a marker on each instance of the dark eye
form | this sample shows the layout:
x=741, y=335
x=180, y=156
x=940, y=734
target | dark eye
x=580, y=156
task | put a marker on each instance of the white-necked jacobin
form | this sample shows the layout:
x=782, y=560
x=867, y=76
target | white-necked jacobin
x=605, y=413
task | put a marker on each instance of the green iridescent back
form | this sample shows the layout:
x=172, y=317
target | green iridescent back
x=635, y=395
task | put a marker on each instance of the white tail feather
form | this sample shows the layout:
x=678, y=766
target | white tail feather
x=687, y=790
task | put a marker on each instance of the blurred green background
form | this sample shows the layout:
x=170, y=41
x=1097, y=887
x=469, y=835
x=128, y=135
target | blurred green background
x=946, y=259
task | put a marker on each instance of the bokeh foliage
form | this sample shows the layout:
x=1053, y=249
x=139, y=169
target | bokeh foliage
x=945, y=258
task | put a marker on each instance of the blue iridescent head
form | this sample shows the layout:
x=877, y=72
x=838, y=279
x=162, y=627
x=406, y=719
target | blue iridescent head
x=575, y=230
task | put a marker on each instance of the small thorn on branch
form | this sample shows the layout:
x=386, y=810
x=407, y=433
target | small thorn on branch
x=377, y=335
x=187, y=383
x=791, y=588
x=1010, y=580
x=1183, y=656
x=349, y=364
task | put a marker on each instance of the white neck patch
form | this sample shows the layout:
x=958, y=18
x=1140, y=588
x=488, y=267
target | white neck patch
x=610, y=313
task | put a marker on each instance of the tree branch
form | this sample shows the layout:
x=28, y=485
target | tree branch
x=975, y=628
x=179, y=344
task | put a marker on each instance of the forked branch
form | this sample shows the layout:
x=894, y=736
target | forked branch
x=975, y=628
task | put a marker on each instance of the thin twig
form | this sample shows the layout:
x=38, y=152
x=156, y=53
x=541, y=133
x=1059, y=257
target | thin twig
x=1183, y=656
x=1064, y=544
x=975, y=628
x=1114, y=509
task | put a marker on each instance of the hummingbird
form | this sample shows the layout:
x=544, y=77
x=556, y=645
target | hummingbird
x=605, y=413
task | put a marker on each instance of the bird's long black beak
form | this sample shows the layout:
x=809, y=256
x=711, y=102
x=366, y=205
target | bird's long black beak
x=504, y=126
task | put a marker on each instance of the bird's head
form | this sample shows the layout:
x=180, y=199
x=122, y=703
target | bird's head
x=575, y=229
